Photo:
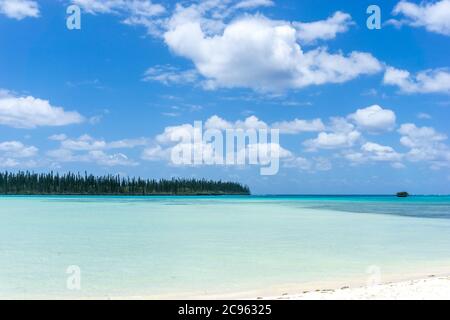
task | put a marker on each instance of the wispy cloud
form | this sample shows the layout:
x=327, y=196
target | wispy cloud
x=434, y=16
x=428, y=81
x=19, y=9
x=30, y=112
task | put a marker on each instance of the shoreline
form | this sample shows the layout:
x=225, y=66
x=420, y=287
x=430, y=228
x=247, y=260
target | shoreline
x=419, y=285
x=433, y=286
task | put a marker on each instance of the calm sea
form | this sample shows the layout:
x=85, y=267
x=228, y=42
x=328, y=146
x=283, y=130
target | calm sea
x=188, y=246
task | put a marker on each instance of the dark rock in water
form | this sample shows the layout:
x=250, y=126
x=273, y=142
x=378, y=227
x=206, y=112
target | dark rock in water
x=402, y=194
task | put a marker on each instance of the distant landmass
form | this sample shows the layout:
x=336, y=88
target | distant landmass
x=30, y=183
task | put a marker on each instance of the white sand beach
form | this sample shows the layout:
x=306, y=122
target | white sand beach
x=414, y=286
x=431, y=288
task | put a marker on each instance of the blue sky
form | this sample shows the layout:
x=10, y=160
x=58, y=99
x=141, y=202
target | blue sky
x=359, y=110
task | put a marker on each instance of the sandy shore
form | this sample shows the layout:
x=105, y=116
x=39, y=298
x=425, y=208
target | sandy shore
x=432, y=288
x=424, y=287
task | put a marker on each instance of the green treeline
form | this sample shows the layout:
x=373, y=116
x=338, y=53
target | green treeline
x=29, y=183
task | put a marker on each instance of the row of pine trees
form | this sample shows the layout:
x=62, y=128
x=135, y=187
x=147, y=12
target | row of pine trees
x=30, y=183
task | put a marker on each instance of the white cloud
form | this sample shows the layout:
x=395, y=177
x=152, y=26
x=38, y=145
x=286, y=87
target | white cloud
x=87, y=149
x=310, y=165
x=111, y=160
x=425, y=144
x=258, y=53
x=424, y=116
x=398, y=165
x=327, y=29
x=252, y=122
x=433, y=16
x=210, y=156
x=156, y=153
x=88, y=143
x=233, y=48
x=340, y=134
x=355, y=157
x=299, y=163
x=344, y=133
x=170, y=75
x=99, y=6
x=14, y=154
x=179, y=139
x=58, y=137
x=428, y=81
x=137, y=8
x=374, y=119
x=85, y=142
x=19, y=9
x=173, y=133
x=9, y=163
x=340, y=125
x=96, y=156
x=144, y=8
x=413, y=136
x=379, y=152
x=264, y=151
x=126, y=143
x=333, y=140
x=247, y=4
x=374, y=152
x=322, y=164
x=216, y=122
x=16, y=149
x=30, y=112
x=64, y=155
x=297, y=126
x=15, y=163
x=136, y=12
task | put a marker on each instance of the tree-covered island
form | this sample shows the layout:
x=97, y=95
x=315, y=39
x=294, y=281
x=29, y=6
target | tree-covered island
x=30, y=183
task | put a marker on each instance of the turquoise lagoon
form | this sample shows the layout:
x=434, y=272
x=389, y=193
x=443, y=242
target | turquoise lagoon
x=190, y=246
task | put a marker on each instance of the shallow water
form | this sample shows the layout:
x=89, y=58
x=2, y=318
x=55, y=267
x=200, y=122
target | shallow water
x=156, y=246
